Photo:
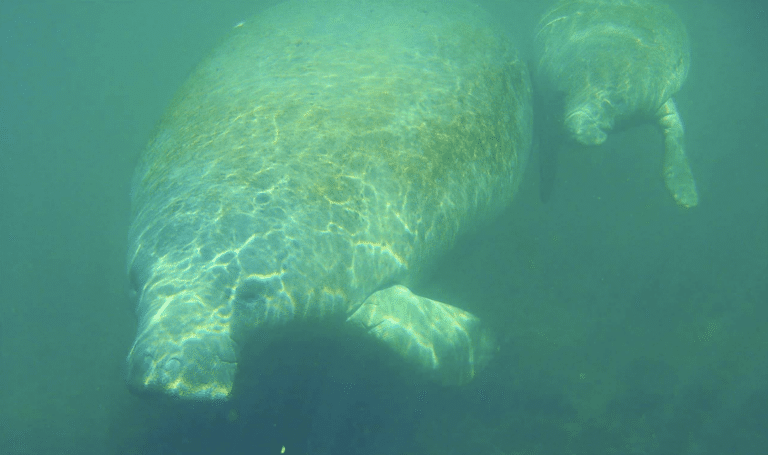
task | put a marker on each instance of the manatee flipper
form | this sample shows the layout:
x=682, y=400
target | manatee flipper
x=677, y=172
x=446, y=342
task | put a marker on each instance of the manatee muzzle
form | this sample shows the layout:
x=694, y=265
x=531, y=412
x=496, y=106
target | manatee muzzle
x=194, y=366
x=587, y=124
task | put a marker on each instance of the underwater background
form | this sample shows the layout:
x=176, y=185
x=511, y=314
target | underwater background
x=627, y=324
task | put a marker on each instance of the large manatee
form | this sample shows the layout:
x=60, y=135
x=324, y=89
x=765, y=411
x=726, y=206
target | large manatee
x=618, y=60
x=307, y=173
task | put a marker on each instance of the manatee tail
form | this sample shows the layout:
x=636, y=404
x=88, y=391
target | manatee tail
x=677, y=172
x=446, y=343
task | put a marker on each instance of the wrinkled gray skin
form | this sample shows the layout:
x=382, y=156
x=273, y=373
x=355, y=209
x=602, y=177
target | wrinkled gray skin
x=616, y=61
x=307, y=172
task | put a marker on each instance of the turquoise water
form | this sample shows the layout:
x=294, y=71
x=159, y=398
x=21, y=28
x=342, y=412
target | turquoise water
x=627, y=325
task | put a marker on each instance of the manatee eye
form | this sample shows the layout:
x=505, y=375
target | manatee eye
x=138, y=275
x=250, y=292
x=133, y=280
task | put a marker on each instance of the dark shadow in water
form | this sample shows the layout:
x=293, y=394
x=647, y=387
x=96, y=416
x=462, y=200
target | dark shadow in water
x=315, y=396
x=548, y=136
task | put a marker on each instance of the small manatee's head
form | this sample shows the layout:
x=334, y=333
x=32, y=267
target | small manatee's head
x=588, y=122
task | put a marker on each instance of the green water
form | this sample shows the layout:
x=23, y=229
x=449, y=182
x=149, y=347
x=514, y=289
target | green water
x=627, y=325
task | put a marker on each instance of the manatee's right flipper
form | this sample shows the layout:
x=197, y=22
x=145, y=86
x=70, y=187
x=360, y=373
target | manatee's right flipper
x=447, y=343
x=677, y=173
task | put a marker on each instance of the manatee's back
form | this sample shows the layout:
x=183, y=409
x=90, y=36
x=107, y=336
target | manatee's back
x=383, y=122
x=323, y=150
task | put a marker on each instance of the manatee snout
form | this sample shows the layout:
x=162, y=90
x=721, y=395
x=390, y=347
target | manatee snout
x=198, y=366
x=146, y=375
x=141, y=366
x=587, y=124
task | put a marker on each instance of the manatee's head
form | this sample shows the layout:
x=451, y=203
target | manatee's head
x=184, y=346
x=185, y=270
x=208, y=271
x=588, y=121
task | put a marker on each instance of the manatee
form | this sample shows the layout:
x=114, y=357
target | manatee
x=307, y=174
x=618, y=61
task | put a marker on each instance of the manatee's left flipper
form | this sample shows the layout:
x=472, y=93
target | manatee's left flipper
x=449, y=344
x=677, y=172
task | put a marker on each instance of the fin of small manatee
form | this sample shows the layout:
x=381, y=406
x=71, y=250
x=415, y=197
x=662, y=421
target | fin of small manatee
x=549, y=136
x=677, y=172
x=448, y=344
x=548, y=133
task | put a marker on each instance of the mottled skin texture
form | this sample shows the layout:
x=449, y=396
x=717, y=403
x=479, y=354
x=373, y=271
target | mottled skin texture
x=616, y=61
x=307, y=172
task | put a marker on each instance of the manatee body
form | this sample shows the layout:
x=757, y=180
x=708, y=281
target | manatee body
x=613, y=61
x=307, y=172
